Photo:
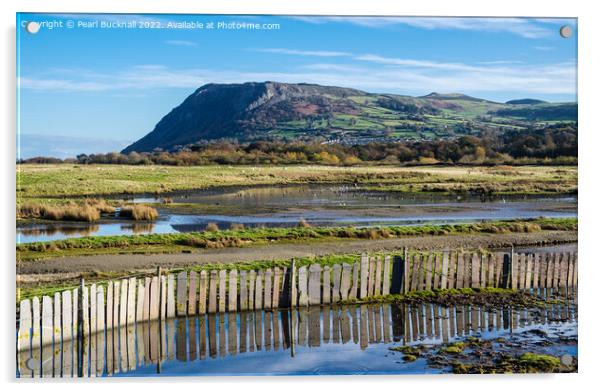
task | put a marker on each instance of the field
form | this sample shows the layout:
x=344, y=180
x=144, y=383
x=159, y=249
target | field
x=51, y=181
x=421, y=117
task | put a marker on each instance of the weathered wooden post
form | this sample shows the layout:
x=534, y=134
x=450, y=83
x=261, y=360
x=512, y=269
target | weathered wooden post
x=387, y=276
x=293, y=287
x=314, y=291
x=406, y=271
x=507, y=271
x=364, y=265
x=397, y=275
x=445, y=269
x=513, y=269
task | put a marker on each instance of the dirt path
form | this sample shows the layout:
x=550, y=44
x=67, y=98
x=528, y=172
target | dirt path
x=61, y=268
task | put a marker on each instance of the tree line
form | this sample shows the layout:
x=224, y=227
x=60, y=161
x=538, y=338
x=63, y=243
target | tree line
x=555, y=144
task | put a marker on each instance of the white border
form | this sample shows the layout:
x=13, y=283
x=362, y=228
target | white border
x=590, y=142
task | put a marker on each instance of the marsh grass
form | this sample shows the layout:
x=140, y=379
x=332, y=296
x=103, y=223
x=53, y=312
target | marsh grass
x=211, y=227
x=68, y=212
x=303, y=223
x=139, y=212
x=260, y=236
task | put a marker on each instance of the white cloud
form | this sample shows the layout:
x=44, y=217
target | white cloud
x=62, y=85
x=413, y=63
x=313, y=53
x=175, y=42
x=524, y=27
x=544, y=48
x=404, y=76
x=500, y=62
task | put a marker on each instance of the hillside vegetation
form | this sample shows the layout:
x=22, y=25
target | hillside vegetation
x=269, y=110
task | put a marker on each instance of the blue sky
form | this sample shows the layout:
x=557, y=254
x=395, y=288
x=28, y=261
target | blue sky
x=99, y=89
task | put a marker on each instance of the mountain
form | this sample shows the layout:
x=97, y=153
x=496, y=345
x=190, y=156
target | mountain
x=271, y=110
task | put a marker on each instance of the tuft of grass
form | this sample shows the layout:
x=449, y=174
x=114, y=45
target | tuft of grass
x=139, y=212
x=237, y=226
x=100, y=204
x=212, y=227
x=68, y=212
x=303, y=223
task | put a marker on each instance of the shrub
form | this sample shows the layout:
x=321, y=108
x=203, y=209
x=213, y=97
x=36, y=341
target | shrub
x=237, y=226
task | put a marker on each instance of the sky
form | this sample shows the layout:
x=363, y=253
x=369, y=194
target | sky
x=89, y=83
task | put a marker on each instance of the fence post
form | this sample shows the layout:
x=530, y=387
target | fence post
x=513, y=269
x=406, y=270
x=364, y=265
x=507, y=271
x=293, y=287
x=397, y=275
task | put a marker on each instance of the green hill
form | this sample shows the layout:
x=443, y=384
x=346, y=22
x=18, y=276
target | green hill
x=271, y=110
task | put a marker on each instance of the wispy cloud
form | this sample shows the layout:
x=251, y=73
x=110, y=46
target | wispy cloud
x=413, y=63
x=175, y=42
x=500, y=62
x=295, y=52
x=524, y=27
x=544, y=48
x=405, y=76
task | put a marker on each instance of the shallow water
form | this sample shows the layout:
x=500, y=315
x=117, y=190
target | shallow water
x=317, y=340
x=322, y=205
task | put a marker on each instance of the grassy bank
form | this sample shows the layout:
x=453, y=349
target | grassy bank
x=189, y=242
x=65, y=180
x=87, y=210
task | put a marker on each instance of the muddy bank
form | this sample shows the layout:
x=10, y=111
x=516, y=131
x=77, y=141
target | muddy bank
x=60, y=268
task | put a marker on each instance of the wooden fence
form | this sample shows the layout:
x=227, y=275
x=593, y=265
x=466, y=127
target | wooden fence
x=79, y=313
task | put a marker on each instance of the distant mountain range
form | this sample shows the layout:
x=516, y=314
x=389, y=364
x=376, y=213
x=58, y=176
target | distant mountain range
x=270, y=110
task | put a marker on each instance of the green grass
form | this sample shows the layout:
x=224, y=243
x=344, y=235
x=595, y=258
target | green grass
x=44, y=182
x=180, y=242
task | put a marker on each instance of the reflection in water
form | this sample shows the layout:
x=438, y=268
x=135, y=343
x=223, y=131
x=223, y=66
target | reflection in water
x=53, y=229
x=138, y=228
x=330, y=339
